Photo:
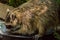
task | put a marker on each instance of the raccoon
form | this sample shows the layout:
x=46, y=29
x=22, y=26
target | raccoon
x=34, y=16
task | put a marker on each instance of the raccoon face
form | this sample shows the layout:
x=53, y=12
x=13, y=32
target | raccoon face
x=11, y=18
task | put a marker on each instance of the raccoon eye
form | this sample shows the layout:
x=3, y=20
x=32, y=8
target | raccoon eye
x=7, y=18
x=13, y=17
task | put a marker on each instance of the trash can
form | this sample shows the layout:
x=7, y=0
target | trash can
x=15, y=37
x=4, y=35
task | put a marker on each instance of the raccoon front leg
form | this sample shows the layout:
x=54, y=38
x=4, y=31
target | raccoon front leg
x=41, y=31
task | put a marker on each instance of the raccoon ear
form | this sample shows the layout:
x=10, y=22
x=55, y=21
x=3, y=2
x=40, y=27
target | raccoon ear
x=8, y=10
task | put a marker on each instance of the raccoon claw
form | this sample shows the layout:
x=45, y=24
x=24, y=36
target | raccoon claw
x=36, y=37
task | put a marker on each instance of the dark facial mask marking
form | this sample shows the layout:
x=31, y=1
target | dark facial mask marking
x=8, y=17
x=13, y=17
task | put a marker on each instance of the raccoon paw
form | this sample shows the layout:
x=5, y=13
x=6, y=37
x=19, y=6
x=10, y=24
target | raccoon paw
x=36, y=37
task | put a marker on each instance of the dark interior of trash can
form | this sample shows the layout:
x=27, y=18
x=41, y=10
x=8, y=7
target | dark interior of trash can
x=7, y=36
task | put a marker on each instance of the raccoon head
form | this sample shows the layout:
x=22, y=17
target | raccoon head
x=11, y=18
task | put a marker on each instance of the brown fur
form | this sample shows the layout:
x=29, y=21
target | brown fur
x=33, y=15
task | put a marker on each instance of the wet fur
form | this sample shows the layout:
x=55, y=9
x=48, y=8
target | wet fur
x=34, y=15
